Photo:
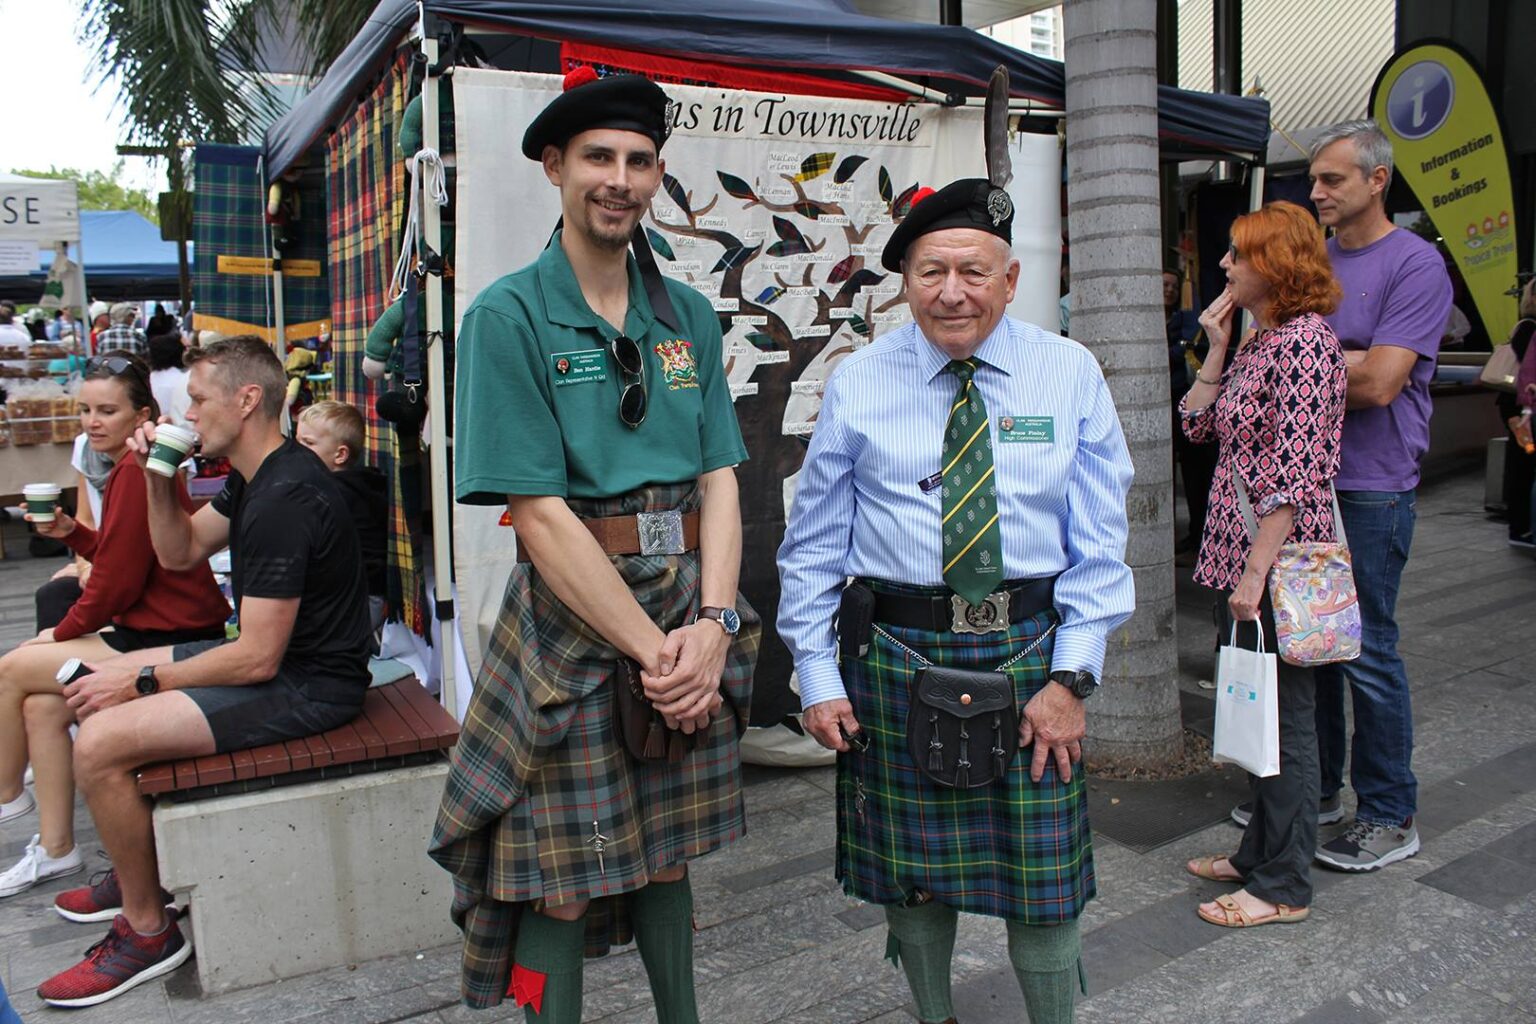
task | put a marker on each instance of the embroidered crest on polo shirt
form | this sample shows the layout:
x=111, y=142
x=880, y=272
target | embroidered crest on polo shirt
x=677, y=366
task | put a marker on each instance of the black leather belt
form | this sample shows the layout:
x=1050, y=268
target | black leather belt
x=950, y=612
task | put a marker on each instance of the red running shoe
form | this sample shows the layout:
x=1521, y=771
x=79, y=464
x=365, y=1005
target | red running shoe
x=116, y=964
x=102, y=900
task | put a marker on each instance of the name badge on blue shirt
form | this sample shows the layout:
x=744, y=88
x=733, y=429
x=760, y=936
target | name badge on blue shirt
x=1026, y=429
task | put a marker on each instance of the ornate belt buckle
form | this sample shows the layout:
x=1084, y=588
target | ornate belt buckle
x=991, y=616
x=661, y=533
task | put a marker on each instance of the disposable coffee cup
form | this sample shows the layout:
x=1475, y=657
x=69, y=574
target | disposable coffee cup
x=170, y=450
x=41, y=499
x=71, y=670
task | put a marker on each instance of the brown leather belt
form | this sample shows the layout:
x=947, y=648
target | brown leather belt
x=648, y=533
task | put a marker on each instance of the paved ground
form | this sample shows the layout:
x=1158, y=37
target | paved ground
x=1445, y=937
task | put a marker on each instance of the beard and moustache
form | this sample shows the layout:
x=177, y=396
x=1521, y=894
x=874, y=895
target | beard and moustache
x=605, y=236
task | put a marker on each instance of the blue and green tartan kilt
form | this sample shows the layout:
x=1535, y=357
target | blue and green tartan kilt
x=1016, y=849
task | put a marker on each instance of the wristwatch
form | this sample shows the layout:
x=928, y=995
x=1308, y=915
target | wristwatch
x=147, y=683
x=1082, y=684
x=727, y=617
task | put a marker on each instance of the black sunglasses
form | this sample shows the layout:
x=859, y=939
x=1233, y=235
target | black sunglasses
x=1232, y=251
x=632, y=400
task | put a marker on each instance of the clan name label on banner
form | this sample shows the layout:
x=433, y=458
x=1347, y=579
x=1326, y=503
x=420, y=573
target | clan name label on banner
x=1448, y=146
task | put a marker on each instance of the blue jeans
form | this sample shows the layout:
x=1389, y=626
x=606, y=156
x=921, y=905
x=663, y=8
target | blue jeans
x=1379, y=526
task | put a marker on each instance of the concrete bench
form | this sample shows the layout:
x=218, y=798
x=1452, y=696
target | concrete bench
x=310, y=854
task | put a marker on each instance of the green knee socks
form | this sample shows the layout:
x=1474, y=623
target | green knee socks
x=1045, y=960
x=922, y=941
x=554, y=949
x=663, y=919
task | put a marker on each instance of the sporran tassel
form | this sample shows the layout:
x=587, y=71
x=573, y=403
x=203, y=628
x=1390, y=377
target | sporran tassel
x=655, y=740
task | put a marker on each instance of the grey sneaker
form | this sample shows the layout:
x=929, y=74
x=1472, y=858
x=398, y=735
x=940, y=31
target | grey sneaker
x=1329, y=812
x=1367, y=845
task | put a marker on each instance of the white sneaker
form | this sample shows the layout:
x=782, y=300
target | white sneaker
x=36, y=866
x=26, y=780
x=23, y=804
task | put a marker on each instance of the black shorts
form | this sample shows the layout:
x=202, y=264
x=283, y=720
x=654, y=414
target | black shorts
x=242, y=717
x=123, y=639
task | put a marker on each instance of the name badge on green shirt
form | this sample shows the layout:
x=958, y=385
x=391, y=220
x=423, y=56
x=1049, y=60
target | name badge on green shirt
x=582, y=367
x=1026, y=429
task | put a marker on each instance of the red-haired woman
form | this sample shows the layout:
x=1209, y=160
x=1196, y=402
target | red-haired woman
x=1278, y=409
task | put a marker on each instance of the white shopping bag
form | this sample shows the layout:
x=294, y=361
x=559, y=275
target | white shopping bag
x=1247, y=709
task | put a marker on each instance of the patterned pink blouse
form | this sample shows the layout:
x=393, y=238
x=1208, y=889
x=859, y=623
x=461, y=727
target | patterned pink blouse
x=1278, y=417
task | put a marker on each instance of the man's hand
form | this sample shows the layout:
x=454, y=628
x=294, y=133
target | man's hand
x=142, y=440
x=822, y=721
x=686, y=685
x=44, y=637
x=62, y=526
x=1055, y=723
x=104, y=688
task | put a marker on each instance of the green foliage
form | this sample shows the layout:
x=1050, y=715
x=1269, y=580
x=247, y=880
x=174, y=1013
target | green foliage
x=191, y=69
x=100, y=190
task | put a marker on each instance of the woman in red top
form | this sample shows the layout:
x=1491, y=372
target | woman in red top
x=129, y=602
x=1278, y=411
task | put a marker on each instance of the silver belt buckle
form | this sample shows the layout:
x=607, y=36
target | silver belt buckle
x=661, y=533
x=991, y=616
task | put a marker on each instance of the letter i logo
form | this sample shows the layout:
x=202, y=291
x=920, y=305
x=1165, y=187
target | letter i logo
x=1420, y=100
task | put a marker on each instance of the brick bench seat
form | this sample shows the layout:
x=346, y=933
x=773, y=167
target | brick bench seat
x=400, y=724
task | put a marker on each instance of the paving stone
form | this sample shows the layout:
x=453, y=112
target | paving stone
x=1459, y=1004
x=1169, y=927
x=1341, y=1010
x=805, y=864
x=864, y=916
x=1519, y=846
x=1483, y=878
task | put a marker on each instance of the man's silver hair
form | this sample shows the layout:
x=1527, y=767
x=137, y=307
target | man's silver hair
x=1372, y=147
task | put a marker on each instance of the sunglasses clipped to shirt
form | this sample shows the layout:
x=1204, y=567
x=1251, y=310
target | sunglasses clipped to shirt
x=632, y=400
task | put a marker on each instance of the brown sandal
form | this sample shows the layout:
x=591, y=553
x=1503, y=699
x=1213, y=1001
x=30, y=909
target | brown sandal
x=1205, y=867
x=1234, y=916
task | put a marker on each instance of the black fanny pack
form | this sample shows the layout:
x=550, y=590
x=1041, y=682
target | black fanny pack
x=962, y=725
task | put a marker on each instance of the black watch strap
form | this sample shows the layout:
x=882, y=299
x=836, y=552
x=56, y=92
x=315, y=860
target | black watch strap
x=1082, y=684
x=147, y=683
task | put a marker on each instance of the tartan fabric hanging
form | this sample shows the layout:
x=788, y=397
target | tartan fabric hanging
x=539, y=774
x=366, y=185
x=973, y=544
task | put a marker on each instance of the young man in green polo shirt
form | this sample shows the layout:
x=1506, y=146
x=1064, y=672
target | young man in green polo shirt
x=592, y=401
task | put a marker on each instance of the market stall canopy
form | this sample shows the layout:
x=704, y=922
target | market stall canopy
x=44, y=210
x=815, y=36
x=124, y=256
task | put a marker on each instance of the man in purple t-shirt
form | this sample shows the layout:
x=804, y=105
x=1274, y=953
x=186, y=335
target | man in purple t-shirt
x=1396, y=298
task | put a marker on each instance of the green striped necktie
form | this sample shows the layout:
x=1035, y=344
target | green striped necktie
x=973, y=545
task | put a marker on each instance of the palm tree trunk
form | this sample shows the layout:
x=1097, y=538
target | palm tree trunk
x=1113, y=222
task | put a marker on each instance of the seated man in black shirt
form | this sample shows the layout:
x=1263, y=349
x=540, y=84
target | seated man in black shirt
x=299, y=667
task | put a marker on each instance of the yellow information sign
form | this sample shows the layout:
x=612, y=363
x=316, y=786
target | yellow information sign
x=1447, y=145
x=257, y=265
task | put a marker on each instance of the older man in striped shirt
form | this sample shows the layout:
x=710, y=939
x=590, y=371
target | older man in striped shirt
x=961, y=507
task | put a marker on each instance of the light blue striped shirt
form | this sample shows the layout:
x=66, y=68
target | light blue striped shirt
x=859, y=509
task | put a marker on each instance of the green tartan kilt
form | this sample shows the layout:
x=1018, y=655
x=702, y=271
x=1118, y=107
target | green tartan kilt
x=1017, y=849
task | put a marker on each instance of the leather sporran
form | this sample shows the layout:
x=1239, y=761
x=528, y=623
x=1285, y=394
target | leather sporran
x=962, y=726
x=642, y=729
